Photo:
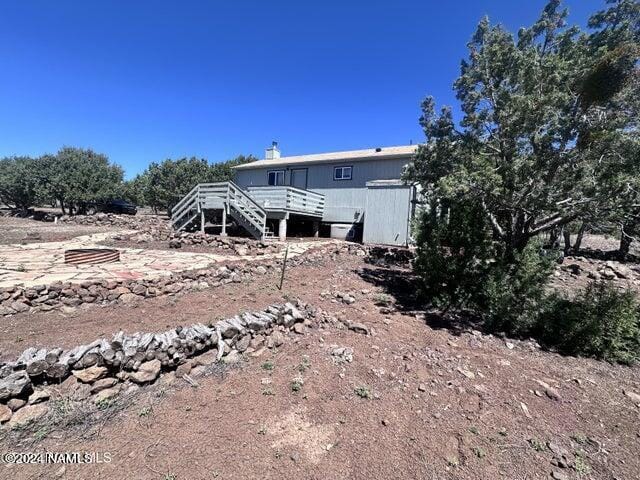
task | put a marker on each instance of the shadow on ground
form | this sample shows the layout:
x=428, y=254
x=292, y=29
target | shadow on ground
x=605, y=255
x=401, y=284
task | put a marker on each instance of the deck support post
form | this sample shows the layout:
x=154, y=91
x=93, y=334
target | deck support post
x=223, y=233
x=316, y=229
x=282, y=229
x=202, y=220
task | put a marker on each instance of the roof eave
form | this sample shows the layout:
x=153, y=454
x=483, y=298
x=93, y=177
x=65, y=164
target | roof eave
x=282, y=163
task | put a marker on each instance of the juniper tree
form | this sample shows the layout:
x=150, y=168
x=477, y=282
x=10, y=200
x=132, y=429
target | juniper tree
x=77, y=177
x=548, y=138
x=166, y=182
x=549, y=133
x=19, y=185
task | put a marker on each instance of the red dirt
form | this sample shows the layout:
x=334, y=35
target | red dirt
x=424, y=419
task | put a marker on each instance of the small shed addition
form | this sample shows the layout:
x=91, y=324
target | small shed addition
x=388, y=212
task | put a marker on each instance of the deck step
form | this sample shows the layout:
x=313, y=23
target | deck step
x=224, y=195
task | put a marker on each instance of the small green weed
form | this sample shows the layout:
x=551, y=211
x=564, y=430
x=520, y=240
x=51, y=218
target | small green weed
x=268, y=365
x=362, y=391
x=537, y=445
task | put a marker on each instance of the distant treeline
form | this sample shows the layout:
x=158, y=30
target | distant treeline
x=75, y=178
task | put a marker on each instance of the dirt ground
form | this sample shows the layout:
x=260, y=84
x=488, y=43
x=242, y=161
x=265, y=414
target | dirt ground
x=421, y=399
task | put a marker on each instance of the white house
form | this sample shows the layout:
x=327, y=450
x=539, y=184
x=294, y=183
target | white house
x=353, y=194
x=362, y=188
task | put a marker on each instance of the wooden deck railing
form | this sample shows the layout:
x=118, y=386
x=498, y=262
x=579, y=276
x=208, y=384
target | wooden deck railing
x=249, y=206
x=290, y=199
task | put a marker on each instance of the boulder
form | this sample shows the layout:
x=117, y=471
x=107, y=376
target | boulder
x=106, y=394
x=120, y=291
x=14, y=385
x=173, y=287
x=139, y=289
x=358, y=327
x=288, y=320
x=20, y=307
x=129, y=298
x=5, y=413
x=635, y=398
x=257, y=342
x=232, y=358
x=227, y=329
x=342, y=354
x=6, y=310
x=103, y=384
x=147, y=372
x=275, y=339
x=28, y=414
x=206, y=358
x=91, y=374
x=39, y=396
x=243, y=343
x=184, y=369
x=294, y=312
x=16, y=404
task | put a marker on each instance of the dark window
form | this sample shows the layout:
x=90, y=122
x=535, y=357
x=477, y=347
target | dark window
x=275, y=177
x=342, y=173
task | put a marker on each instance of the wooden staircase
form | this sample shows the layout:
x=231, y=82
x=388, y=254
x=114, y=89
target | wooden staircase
x=223, y=195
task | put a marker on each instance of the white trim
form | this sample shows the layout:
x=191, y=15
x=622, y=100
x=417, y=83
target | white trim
x=384, y=153
x=342, y=169
x=276, y=184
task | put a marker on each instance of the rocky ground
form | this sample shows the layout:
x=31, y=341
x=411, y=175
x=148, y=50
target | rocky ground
x=593, y=263
x=417, y=397
x=25, y=230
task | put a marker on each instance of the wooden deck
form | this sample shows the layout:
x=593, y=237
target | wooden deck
x=250, y=207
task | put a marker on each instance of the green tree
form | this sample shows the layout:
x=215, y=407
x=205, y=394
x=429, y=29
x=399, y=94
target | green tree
x=19, y=182
x=134, y=190
x=167, y=182
x=542, y=144
x=536, y=147
x=77, y=177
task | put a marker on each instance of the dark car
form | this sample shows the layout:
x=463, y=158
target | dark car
x=113, y=206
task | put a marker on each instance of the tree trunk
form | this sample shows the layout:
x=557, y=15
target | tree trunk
x=554, y=237
x=625, y=246
x=567, y=240
x=579, y=237
x=626, y=240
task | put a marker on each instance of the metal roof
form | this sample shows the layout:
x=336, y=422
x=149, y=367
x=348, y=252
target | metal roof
x=383, y=153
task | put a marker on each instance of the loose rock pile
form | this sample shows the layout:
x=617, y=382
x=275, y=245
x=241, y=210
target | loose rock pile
x=580, y=270
x=241, y=246
x=152, y=227
x=103, y=367
x=342, y=297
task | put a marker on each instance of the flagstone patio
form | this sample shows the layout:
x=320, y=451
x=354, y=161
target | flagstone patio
x=43, y=263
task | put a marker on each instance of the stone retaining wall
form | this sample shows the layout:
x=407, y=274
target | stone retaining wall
x=58, y=295
x=242, y=246
x=101, y=369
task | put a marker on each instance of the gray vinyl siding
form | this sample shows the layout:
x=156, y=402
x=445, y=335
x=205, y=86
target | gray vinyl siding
x=388, y=217
x=345, y=200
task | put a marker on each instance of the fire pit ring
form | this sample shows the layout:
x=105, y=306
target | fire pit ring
x=91, y=256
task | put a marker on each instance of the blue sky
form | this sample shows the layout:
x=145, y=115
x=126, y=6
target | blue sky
x=146, y=80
